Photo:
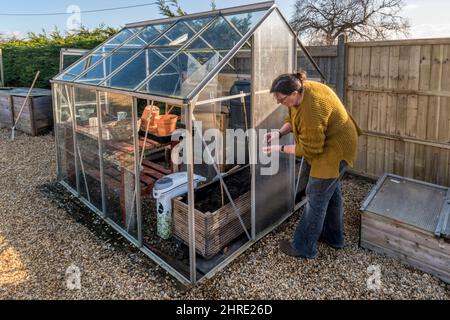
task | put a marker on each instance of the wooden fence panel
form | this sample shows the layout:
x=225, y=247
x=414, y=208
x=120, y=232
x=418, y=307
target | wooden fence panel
x=326, y=58
x=399, y=93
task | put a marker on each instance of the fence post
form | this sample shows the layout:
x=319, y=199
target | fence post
x=341, y=67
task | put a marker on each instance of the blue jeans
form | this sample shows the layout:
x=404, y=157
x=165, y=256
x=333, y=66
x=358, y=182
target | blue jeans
x=322, y=217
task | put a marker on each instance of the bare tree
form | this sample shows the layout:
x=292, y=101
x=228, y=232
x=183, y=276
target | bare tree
x=320, y=22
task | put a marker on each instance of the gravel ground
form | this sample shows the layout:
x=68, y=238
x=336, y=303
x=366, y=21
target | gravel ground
x=39, y=240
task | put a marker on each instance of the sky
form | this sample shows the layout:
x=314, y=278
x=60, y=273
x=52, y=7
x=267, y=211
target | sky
x=428, y=18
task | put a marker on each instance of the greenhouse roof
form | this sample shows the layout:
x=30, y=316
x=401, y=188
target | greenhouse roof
x=171, y=57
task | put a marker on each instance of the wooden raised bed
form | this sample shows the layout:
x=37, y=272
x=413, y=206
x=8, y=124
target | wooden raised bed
x=409, y=220
x=6, y=115
x=37, y=115
x=213, y=230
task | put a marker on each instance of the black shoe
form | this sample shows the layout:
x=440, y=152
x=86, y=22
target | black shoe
x=287, y=248
x=329, y=244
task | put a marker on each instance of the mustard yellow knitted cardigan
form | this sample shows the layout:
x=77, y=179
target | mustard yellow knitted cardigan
x=324, y=132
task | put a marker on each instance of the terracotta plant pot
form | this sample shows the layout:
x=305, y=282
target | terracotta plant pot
x=152, y=113
x=167, y=124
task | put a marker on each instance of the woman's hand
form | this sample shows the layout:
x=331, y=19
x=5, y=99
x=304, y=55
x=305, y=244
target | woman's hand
x=271, y=149
x=271, y=136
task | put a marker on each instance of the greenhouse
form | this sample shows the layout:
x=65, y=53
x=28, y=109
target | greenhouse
x=133, y=122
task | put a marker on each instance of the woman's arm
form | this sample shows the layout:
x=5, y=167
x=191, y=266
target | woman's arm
x=289, y=149
x=285, y=129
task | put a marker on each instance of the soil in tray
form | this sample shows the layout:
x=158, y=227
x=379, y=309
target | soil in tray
x=209, y=198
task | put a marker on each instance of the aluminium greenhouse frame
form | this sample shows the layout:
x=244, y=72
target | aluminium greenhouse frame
x=188, y=103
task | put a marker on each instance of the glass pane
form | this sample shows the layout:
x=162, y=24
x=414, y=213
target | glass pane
x=82, y=65
x=240, y=64
x=181, y=76
x=234, y=78
x=228, y=120
x=202, y=51
x=98, y=54
x=220, y=116
x=108, y=65
x=164, y=227
x=198, y=24
x=149, y=34
x=228, y=235
x=220, y=36
x=245, y=21
x=139, y=68
x=65, y=146
x=121, y=37
x=86, y=130
x=118, y=161
x=180, y=33
x=274, y=55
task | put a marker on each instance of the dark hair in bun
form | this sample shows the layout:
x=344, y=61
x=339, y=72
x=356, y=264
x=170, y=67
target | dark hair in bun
x=289, y=82
x=301, y=75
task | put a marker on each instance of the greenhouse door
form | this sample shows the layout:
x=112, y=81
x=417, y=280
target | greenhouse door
x=273, y=178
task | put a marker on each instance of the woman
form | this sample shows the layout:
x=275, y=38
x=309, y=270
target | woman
x=326, y=136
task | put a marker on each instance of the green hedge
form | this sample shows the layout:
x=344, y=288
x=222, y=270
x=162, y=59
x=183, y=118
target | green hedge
x=23, y=58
